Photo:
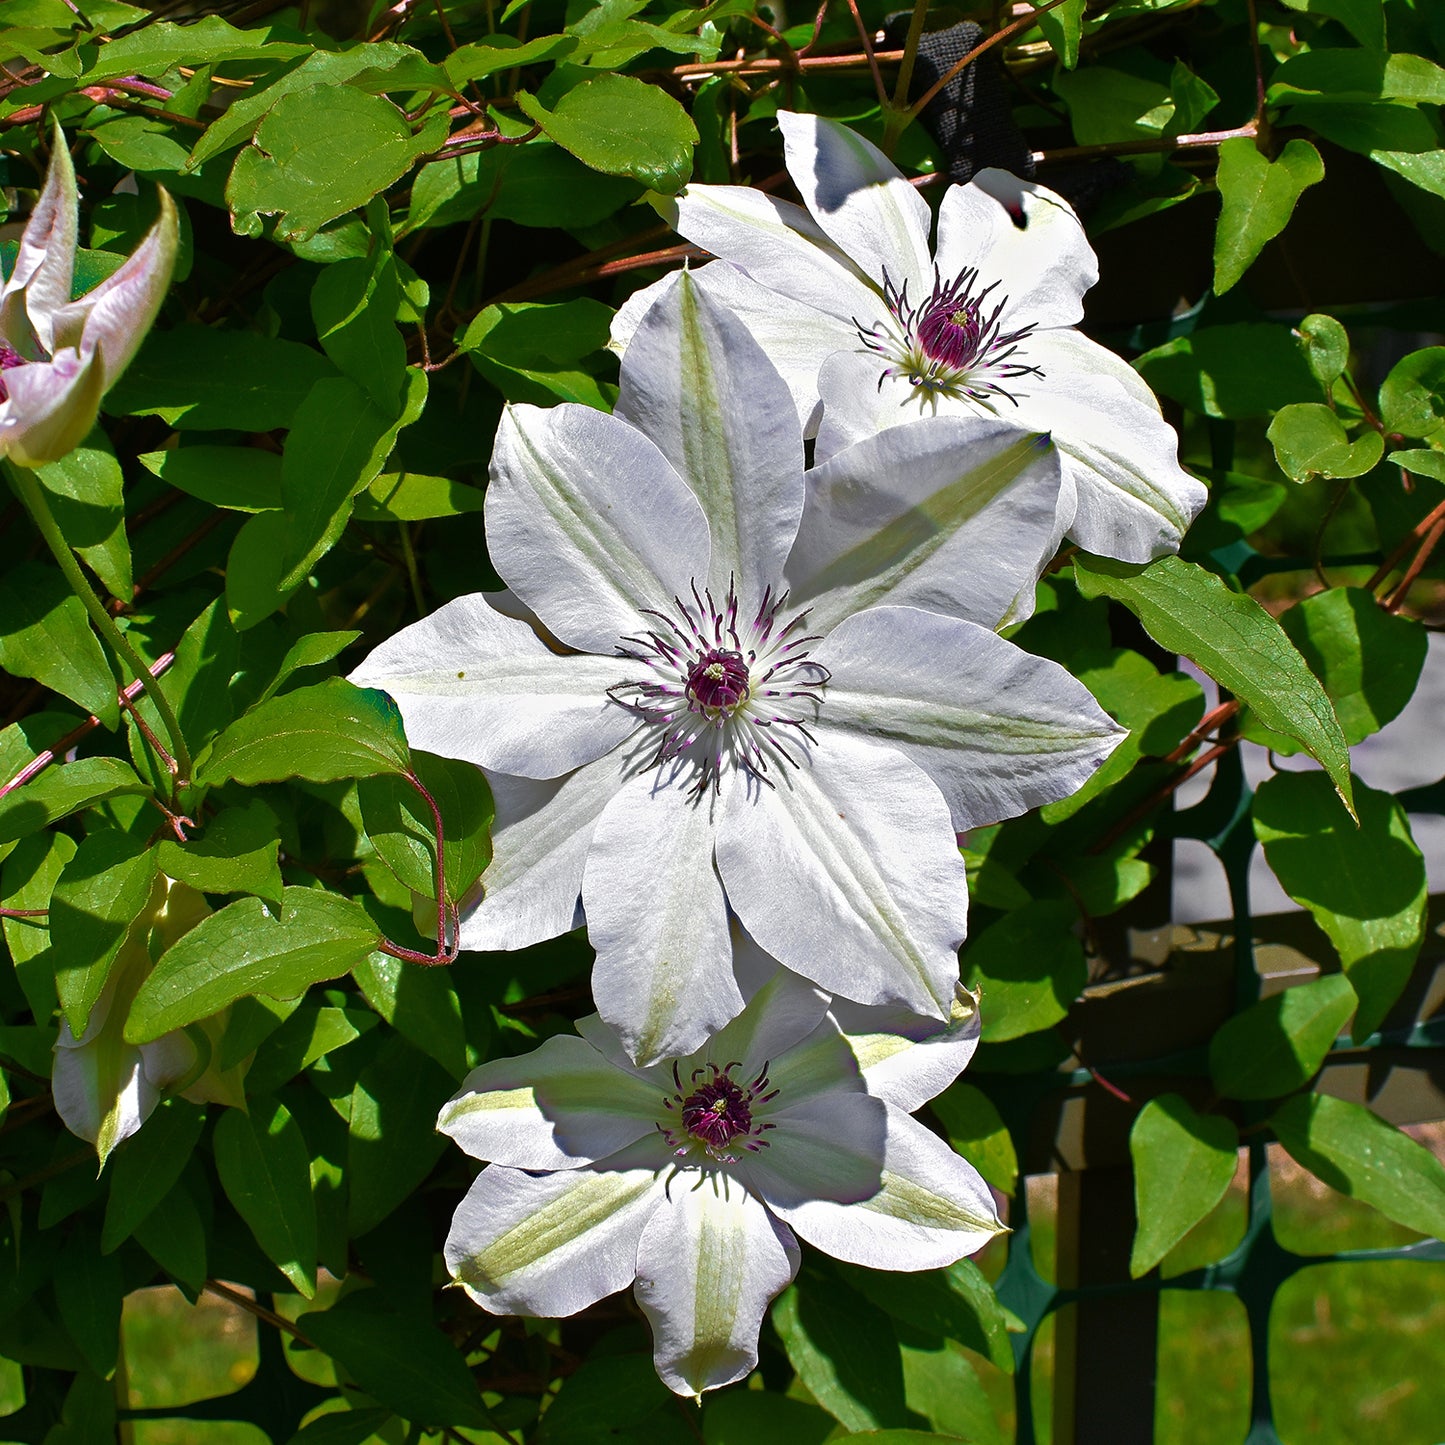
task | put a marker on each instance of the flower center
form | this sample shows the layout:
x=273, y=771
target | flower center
x=716, y=1114
x=950, y=344
x=8, y=358
x=717, y=683
x=722, y=692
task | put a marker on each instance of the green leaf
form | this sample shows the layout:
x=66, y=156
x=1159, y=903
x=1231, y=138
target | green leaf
x=321, y=733
x=244, y=479
x=1369, y=660
x=413, y=497
x=1028, y=967
x=503, y=52
x=1278, y=1044
x=1365, y=886
x=1357, y=1153
x=45, y=634
x=244, y=949
x=1326, y=345
x=1421, y=461
x=532, y=351
x=956, y=1303
x=1189, y=610
x=343, y=1427
x=85, y=490
x=1108, y=105
x=1364, y=19
x=236, y=854
x=536, y=184
x=27, y=879
x=845, y=1352
x=145, y=1168
x=400, y=826
x=320, y=153
x=102, y=891
x=1183, y=1164
x=311, y=1033
x=1063, y=27
x=1393, y=134
x=174, y=1235
x=198, y=378
x=354, y=304
x=1338, y=76
x=944, y=1387
x=309, y=651
x=975, y=1128
x=158, y=46
x=265, y=1169
x=621, y=126
x=338, y=443
x=1259, y=197
x=404, y=1362
x=1248, y=369
x=1412, y=397
x=198, y=685
x=612, y=1398
x=1309, y=441
x=393, y=1140
x=63, y=789
x=364, y=67
x=759, y=1417
x=421, y=1004
x=89, y=1291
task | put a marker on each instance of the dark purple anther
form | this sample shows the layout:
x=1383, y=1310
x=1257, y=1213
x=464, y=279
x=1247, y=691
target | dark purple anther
x=717, y=1113
x=717, y=682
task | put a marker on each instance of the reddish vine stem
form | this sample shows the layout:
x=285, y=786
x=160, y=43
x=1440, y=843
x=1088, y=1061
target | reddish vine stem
x=62, y=745
x=1396, y=599
x=1160, y=795
x=1417, y=537
x=1214, y=718
x=446, y=913
x=24, y=912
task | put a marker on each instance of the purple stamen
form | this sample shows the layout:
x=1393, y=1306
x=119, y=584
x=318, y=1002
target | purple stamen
x=8, y=357
x=717, y=1113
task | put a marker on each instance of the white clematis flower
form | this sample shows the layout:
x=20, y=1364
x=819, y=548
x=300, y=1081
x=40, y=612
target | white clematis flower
x=106, y=1088
x=58, y=357
x=739, y=699
x=692, y=1177
x=870, y=327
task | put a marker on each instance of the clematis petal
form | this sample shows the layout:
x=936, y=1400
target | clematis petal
x=549, y=1244
x=855, y=847
x=709, y=1262
x=860, y=199
x=559, y=1106
x=957, y=514
x=40, y=280
x=657, y=917
x=589, y=523
x=51, y=409
x=827, y=1147
x=476, y=685
x=539, y=846
x=102, y=1093
x=778, y=1017
x=795, y=336
x=1023, y=237
x=113, y=319
x=930, y=1210
x=906, y=1059
x=998, y=730
x=703, y=390
x=776, y=243
x=1134, y=499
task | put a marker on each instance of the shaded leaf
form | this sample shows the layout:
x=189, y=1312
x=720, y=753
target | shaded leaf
x=1277, y=1044
x=1259, y=197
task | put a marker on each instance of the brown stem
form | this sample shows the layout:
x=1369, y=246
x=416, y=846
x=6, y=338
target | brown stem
x=1432, y=540
x=40, y=1176
x=1194, y=141
x=1420, y=530
x=251, y=1306
x=1206, y=725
